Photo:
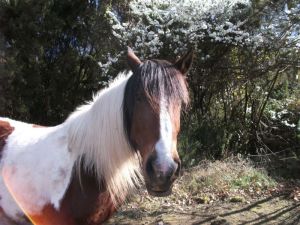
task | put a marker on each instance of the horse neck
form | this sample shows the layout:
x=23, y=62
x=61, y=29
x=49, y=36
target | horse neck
x=97, y=137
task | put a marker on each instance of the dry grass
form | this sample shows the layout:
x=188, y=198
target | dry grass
x=202, y=190
x=226, y=179
x=232, y=180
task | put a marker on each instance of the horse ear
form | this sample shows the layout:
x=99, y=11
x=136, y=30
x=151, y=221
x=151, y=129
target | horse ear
x=185, y=62
x=132, y=59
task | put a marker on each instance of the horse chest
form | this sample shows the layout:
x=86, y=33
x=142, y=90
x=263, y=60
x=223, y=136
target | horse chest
x=87, y=202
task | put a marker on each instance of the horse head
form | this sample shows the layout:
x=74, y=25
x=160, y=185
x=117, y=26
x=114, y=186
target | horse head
x=154, y=97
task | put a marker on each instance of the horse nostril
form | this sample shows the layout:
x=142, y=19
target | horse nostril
x=150, y=167
x=170, y=173
x=173, y=168
x=177, y=172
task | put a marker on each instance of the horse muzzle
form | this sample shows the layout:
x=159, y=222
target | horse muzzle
x=160, y=175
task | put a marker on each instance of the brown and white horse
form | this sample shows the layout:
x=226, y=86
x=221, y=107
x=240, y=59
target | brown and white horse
x=79, y=171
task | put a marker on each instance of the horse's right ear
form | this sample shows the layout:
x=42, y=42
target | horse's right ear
x=132, y=59
x=185, y=62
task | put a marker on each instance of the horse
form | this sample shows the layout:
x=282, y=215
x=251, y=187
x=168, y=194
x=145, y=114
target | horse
x=79, y=172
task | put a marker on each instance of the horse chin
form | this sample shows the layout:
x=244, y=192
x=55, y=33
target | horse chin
x=160, y=193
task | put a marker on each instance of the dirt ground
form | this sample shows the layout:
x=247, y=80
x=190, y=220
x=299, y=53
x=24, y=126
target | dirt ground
x=271, y=210
x=278, y=209
x=218, y=193
x=231, y=192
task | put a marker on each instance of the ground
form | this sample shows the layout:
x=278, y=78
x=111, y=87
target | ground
x=231, y=192
x=219, y=193
x=271, y=210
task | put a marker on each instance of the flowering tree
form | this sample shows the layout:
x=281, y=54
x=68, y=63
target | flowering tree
x=244, y=52
x=158, y=26
x=244, y=81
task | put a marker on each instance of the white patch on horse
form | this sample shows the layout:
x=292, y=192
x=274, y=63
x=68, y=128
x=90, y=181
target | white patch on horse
x=36, y=167
x=164, y=144
x=37, y=163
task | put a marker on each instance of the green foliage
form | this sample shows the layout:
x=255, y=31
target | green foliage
x=52, y=50
x=237, y=91
x=252, y=180
x=244, y=98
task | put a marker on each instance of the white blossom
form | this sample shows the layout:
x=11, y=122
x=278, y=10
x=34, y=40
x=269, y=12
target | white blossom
x=178, y=22
x=286, y=123
x=175, y=25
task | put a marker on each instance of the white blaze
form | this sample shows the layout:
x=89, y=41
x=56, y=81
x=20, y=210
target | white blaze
x=164, y=144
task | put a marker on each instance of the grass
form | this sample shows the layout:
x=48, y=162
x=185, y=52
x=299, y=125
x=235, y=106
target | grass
x=252, y=179
x=206, y=186
x=226, y=178
x=232, y=180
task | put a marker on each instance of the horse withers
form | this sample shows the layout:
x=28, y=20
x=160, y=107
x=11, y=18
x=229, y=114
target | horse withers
x=80, y=171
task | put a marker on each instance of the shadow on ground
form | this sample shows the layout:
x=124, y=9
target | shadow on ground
x=272, y=210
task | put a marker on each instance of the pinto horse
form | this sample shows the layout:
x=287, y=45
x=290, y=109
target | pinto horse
x=79, y=172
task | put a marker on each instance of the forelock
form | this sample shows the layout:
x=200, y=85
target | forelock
x=159, y=79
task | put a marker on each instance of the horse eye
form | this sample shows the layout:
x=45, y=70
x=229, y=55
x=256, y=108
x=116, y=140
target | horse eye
x=139, y=98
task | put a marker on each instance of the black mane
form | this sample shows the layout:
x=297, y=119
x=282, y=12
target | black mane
x=153, y=80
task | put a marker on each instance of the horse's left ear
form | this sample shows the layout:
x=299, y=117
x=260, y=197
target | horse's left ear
x=185, y=62
x=132, y=59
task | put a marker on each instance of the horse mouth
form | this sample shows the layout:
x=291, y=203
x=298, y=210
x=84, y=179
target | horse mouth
x=158, y=192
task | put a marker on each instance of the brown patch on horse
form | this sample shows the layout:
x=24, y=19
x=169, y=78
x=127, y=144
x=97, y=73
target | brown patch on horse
x=51, y=216
x=104, y=209
x=5, y=131
x=87, y=200
x=175, y=117
x=144, y=128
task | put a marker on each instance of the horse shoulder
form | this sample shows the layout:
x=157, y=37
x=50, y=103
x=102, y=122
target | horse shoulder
x=37, y=167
